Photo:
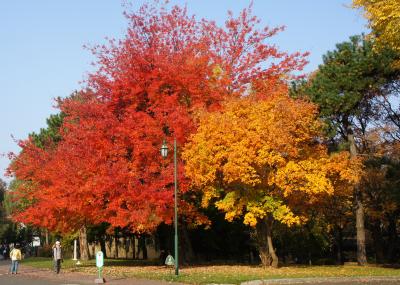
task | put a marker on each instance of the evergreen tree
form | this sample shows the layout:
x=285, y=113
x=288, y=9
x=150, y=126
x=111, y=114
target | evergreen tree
x=344, y=87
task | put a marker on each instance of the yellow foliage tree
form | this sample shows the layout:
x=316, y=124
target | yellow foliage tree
x=384, y=20
x=263, y=160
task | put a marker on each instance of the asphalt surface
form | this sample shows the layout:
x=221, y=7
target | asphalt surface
x=34, y=276
x=23, y=280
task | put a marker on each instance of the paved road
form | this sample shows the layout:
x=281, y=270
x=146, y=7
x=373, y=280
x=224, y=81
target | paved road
x=6, y=279
x=33, y=276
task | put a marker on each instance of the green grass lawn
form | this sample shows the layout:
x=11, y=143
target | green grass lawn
x=215, y=273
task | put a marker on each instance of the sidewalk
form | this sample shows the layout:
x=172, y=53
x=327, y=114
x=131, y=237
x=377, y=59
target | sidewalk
x=74, y=277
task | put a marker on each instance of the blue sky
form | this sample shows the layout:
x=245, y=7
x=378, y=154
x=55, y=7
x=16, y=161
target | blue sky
x=41, y=53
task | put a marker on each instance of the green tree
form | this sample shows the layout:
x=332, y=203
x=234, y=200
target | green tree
x=344, y=87
x=3, y=187
x=51, y=132
x=8, y=231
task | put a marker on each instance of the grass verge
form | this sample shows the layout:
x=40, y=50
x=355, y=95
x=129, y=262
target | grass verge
x=232, y=274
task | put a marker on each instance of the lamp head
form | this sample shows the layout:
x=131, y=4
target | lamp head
x=164, y=149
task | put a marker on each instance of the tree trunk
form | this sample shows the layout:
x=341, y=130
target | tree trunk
x=264, y=241
x=187, y=248
x=47, y=237
x=103, y=245
x=361, y=251
x=114, y=245
x=262, y=244
x=378, y=242
x=108, y=243
x=359, y=208
x=138, y=248
x=270, y=245
x=92, y=250
x=83, y=244
x=339, y=244
x=133, y=246
x=125, y=243
x=392, y=241
x=143, y=247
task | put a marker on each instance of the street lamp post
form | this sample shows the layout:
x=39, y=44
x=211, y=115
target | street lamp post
x=164, y=153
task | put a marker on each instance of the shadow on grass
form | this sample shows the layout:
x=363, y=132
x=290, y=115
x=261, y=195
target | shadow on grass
x=158, y=262
x=44, y=262
x=394, y=266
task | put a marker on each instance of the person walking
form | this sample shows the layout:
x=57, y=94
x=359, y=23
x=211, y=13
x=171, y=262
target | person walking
x=6, y=251
x=3, y=252
x=57, y=256
x=15, y=256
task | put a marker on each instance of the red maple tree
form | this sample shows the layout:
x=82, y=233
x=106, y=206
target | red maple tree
x=148, y=87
